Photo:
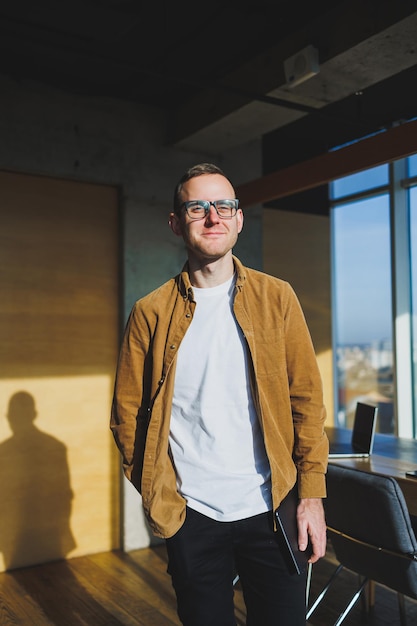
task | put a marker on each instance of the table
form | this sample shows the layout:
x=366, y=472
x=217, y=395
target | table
x=392, y=456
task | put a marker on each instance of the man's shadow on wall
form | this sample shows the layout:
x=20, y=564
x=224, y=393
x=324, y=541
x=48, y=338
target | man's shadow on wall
x=35, y=501
x=36, y=495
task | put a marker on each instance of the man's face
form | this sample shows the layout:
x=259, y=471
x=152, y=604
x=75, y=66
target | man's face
x=211, y=237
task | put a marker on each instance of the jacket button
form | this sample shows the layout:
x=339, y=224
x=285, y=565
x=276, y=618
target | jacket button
x=187, y=315
x=173, y=347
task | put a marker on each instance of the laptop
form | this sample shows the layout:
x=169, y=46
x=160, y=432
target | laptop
x=362, y=438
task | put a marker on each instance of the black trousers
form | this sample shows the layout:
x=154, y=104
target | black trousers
x=204, y=555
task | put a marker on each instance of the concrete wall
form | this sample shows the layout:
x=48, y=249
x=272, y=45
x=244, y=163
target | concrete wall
x=49, y=132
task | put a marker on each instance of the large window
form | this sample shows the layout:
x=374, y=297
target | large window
x=413, y=238
x=374, y=264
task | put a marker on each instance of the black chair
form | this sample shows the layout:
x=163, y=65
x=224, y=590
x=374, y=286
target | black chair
x=371, y=533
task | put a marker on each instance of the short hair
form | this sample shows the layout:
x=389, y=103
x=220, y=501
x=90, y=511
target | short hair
x=196, y=170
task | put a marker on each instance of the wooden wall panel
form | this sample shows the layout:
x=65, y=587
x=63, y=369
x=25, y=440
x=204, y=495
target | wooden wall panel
x=59, y=472
x=297, y=249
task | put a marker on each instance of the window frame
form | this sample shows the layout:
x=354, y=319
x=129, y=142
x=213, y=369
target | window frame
x=401, y=285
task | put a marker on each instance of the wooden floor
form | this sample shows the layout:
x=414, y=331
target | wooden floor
x=116, y=588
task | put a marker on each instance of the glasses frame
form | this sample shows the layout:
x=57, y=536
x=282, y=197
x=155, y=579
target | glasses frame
x=206, y=204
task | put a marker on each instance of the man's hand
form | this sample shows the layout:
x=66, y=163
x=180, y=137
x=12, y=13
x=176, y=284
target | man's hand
x=312, y=524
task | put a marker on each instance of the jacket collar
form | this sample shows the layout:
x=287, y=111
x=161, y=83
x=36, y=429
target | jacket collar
x=185, y=287
x=184, y=284
x=240, y=273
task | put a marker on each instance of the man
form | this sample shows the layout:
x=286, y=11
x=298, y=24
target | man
x=218, y=412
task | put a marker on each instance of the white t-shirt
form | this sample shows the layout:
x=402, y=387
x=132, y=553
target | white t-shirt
x=215, y=437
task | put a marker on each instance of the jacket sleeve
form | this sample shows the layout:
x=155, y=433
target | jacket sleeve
x=306, y=397
x=129, y=414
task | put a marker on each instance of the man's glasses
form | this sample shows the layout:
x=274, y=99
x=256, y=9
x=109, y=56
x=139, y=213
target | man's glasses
x=198, y=209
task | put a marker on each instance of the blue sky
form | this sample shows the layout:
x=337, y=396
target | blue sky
x=362, y=270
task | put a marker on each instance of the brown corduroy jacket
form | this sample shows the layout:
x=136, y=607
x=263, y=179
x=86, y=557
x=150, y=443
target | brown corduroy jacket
x=285, y=381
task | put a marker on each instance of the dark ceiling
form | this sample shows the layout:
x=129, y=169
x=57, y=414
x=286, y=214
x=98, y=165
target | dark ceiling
x=217, y=68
